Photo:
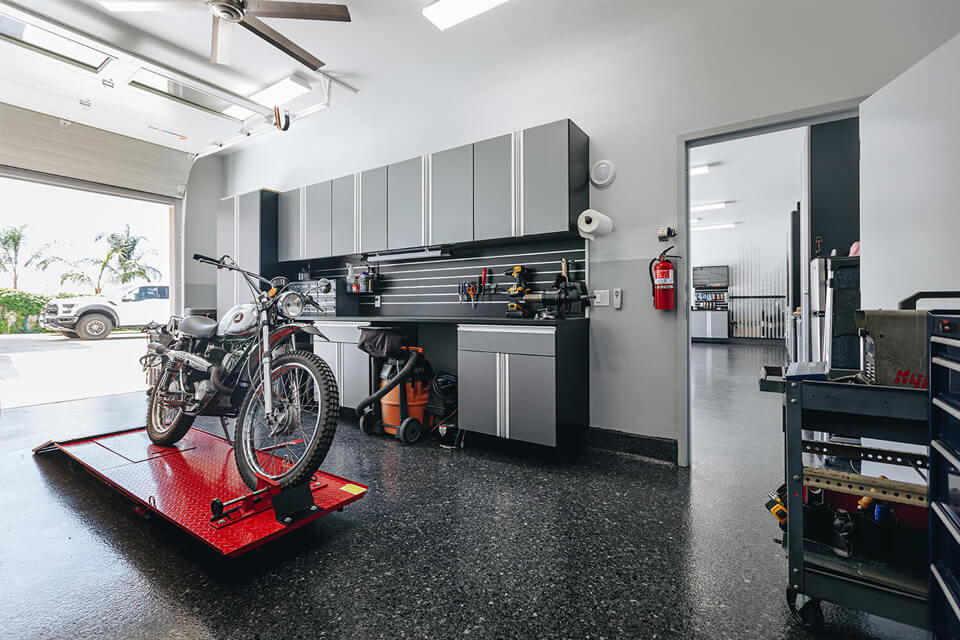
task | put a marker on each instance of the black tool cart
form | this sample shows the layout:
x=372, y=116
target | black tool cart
x=944, y=334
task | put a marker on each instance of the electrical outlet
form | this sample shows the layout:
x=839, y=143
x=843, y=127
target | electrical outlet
x=376, y=301
x=618, y=298
x=601, y=298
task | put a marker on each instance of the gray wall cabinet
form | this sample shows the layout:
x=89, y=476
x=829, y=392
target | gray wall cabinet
x=451, y=196
x=289, y=230
x=554, y=178
x=344, y=221
x=317, y=223
x=247, y=228
x=405, y=211
x=525, y=383
x=373, y=210
x=494, y=207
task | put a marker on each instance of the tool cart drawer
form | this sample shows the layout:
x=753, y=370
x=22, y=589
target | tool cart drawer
x=523, y=340
x=944, y=603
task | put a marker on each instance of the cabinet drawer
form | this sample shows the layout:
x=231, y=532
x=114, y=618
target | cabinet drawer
x=341, y=331
x=944, y=602
x=945, y=480
x=534, y=341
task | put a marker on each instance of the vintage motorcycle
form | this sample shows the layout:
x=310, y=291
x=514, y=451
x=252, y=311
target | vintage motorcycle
x=201, y=367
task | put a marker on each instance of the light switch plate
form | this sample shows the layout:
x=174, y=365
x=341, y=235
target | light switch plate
x=618, y=298
x=376, y=301
x=601, y=298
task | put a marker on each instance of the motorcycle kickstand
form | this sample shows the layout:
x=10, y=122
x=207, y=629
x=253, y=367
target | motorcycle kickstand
x=226, y=433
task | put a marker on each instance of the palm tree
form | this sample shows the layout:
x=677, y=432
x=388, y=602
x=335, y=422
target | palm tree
x=15, y=256
x=123, y=263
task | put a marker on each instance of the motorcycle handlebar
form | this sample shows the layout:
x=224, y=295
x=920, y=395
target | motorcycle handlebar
x=199, y=257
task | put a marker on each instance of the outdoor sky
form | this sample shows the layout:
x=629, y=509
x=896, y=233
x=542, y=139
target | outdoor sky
x=72, y=219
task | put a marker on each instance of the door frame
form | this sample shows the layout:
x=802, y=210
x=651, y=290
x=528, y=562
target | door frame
x=749, y=128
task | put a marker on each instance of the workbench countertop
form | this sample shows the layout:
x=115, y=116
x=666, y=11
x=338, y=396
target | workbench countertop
x=386, y=320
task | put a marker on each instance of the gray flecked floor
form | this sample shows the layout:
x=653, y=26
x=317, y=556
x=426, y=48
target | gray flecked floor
x=488, y=542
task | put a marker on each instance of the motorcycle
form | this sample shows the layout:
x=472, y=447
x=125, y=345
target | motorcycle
x=203, y=367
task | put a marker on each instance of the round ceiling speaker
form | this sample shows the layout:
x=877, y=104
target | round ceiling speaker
x=603, y=173
x=229, y=10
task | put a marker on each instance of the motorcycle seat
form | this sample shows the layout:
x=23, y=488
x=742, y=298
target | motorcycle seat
x=199, y=326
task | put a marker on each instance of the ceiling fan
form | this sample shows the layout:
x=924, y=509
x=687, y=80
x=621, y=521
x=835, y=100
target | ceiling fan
x=247, y=14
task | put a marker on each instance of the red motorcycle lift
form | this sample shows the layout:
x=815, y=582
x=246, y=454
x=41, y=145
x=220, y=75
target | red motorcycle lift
x=196, y=486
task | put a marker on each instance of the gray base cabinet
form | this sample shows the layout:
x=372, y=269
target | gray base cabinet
x=527, y=383
x=350, y=366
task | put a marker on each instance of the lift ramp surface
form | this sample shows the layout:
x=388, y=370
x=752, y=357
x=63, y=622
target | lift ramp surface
x=179, y=483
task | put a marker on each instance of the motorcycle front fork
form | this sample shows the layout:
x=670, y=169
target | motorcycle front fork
x=266, y=364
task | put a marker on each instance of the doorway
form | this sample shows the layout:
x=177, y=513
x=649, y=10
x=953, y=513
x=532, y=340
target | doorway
x=75, y=262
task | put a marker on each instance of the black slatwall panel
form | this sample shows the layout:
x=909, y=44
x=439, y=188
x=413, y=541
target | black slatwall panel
x=428, y=286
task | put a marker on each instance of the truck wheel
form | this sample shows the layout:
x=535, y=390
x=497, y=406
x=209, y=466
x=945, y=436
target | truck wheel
x=94, y=326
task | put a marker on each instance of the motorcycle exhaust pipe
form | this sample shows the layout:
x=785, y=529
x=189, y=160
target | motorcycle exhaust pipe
x=189, y=359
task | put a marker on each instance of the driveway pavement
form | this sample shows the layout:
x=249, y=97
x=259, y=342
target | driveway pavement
x=41, y=368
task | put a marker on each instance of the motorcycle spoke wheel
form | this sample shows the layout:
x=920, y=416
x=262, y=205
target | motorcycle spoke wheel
x=274, y=444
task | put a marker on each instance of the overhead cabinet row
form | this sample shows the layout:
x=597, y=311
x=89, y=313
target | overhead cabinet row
x=527, y=183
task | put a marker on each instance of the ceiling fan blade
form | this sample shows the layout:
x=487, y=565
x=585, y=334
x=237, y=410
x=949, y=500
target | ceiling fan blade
x=222, y=42
x=297, y=10
x=151, y=5
x=281, y=42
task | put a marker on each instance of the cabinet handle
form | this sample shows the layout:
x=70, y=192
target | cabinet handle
x=949, y=364
x=505, y=363
x=499, y=393
x=950, y=342
x=487, y=328
x=947, y=520
x=943, y=449
x=947, y=591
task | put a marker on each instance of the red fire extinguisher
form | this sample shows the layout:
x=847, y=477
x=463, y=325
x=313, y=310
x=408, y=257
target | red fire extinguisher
x=662, y=282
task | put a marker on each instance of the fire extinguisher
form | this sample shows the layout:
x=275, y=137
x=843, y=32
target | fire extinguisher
x=662, y=282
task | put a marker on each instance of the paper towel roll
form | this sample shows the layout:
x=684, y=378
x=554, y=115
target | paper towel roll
x=592, y=223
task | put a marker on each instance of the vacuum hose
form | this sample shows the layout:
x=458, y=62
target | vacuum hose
x=392, y=384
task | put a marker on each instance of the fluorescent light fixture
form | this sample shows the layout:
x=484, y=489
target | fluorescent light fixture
x=700, y=170
x=407, y=255
x=275, y=95
x=135, y=5
x=707, y=206
x=714, y=227
x=448, y=13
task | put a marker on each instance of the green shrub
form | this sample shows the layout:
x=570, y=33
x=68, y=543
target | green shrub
x=21, y=303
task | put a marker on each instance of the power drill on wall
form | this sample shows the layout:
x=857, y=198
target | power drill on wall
x=520, y=287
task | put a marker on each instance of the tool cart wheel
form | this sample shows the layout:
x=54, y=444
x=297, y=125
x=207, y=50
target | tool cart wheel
x=809, y=616
x=409, y=431
x=369, y=424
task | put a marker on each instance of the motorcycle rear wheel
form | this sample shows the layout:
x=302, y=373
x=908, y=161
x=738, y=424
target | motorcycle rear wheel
x=290, y=446
x=166, y=425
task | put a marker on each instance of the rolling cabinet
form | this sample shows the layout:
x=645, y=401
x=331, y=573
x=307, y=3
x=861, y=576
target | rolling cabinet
x=350, y=365
x=526, y=383
x=944, y=387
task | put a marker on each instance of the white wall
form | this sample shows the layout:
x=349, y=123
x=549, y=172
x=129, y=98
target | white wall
x=909, y=222
x=634, y=76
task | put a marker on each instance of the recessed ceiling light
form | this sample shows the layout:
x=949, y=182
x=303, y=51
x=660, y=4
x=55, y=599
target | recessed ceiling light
x=714, y=227
x=700, y=169
x=277, y=94
x=447, y=13
x=708, y=206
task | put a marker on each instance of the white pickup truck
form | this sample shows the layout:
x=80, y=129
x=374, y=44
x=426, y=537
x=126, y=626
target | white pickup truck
x=94, y=317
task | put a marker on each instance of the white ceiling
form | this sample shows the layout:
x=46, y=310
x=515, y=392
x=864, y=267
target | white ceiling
x=759, y=177
x=389, y=48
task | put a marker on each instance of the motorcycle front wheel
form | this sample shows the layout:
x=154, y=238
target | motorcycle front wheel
x=291, y=443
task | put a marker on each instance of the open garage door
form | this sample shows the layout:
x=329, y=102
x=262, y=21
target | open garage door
x=44, y=145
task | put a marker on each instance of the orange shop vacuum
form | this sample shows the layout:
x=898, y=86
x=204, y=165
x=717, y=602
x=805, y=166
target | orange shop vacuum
x=400, y=380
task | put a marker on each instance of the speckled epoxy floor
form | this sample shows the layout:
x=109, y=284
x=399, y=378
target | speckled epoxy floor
x=488, y=542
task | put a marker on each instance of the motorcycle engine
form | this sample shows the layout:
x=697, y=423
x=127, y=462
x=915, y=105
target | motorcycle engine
x=215, y=354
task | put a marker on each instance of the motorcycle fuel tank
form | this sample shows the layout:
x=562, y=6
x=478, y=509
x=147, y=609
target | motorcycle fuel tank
x=238, y=321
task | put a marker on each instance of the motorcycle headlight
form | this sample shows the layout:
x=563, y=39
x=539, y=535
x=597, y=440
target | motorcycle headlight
x=291, y=304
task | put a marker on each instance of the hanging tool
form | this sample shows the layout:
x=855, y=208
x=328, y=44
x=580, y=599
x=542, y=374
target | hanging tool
x=520, y=276
x=517, y=309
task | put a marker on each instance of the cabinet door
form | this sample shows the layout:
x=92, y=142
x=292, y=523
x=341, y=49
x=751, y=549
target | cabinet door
x=493, y=188
x=288, y=225
x=355, y=375
x=546, y=179
x=477, y=393
x=317, y=212
x=329, y=352
x=342, y=224
x=451, y=196
x=531, y=398
x=226, y=245
x=405, y=204
x=248, y=239
x=373, y=210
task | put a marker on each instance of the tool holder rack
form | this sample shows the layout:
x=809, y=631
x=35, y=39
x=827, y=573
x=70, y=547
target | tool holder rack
x=857, y=411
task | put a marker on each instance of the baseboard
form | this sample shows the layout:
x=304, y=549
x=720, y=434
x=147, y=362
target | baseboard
x=648, y=446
